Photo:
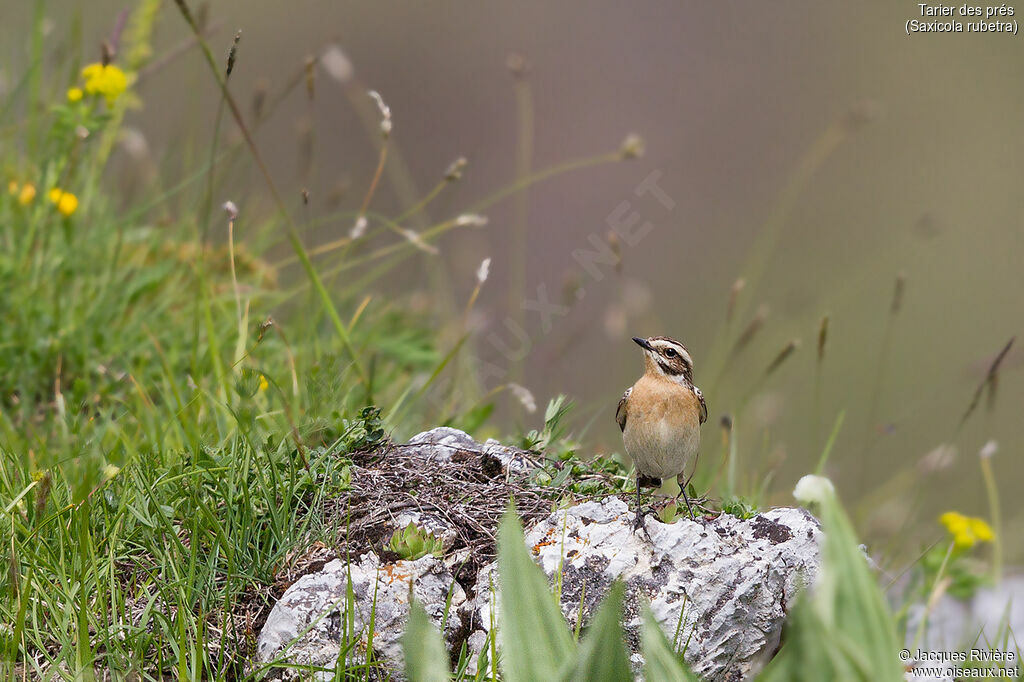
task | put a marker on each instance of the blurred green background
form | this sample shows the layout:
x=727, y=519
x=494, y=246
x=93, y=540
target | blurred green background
x=921, y=174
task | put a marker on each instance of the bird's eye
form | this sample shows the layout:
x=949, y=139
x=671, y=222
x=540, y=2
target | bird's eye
x=670, y=352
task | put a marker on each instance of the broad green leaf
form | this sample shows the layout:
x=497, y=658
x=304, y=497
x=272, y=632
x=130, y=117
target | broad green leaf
x=425, y=657
x=844, y=630
x=603, y=656
x=661, y=664
x=536, y=643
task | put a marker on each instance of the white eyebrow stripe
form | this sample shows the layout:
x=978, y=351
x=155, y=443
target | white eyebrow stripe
x=662, y=344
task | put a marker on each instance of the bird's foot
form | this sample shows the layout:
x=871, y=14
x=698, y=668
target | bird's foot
x=638, y=521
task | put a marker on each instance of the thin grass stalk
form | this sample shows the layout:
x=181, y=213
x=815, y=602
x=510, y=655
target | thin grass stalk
x=35, y=74
x=404, y=187
x=826, y=452
x=293, y=234
x=734, y=456
x=83, y=648
x=137, y=51
x=381, y=162
x=938, y=588
x=231, y=262
x=443, y=227
x=202, y=302
x=989, y=380
x=521, y=210
x=818, y=375
x=995, y=513
x=440, y=228
x=823, y=147
x=881, y=371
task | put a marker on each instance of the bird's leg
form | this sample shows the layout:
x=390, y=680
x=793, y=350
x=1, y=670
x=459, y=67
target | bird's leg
x=683, y=482
x=639, y=520
x=640, y=513
x=689, y=509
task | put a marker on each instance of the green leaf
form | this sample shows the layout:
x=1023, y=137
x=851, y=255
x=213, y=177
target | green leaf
x=603, y=655
x=474, y=418
x=535, y=638
x=844, y=630
x=660, y=661
x=425, y=657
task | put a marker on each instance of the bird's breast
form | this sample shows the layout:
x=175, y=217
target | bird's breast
x=663, y=430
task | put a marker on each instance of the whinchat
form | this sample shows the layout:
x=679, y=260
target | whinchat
x=660, y=416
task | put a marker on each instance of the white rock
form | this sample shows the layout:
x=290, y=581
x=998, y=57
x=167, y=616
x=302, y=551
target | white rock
x=723, y=586
x=444, y=442
x=306, y=626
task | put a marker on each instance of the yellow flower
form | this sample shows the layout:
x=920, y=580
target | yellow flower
x=13, y=188
x=66, y=202
x=107, y=80
x=982, y=530
x=26, y=194
x=75, y=95
x=966, y=531
x=264, y=384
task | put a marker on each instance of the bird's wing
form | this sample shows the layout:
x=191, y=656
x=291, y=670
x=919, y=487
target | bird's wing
x=620, y=411
x=703, y=405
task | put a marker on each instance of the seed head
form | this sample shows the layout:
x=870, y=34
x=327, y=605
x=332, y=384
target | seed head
x=483, y=271
x=359, y=229
x=416, y=240
x=524, y=396
x=337, y=64
x=822, y=337
x=734, y=294
x=632, y=147
x=783, y=355
x=385, y=113
x=471, y=220
x=454, y=171
x=233, y=54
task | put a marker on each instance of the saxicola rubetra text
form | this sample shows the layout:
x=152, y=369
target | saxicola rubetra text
x=660, y=416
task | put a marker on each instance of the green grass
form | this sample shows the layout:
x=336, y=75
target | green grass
x=167, y=441
x=176, y=411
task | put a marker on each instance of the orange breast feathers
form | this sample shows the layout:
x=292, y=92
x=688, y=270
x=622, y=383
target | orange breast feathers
x=655, y=399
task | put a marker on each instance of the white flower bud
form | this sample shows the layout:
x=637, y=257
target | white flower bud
x=471, y=220
x=359, y=229
x=483, y=270
x=337, y=64
x=524, y=396
x=813, y=489
x=417, y=241
x=385, y=113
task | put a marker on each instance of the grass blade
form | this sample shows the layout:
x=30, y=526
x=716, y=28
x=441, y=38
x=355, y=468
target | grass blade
x=534, y=634
x=660, y=660
x=603, y=653
x=425, y=657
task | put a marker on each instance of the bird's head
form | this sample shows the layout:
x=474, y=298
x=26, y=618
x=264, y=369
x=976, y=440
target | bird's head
x=667, y=358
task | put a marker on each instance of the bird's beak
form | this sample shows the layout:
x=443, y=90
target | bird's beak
x=643, y=343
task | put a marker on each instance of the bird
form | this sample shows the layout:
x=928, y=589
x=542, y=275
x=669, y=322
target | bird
x=660, y=417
